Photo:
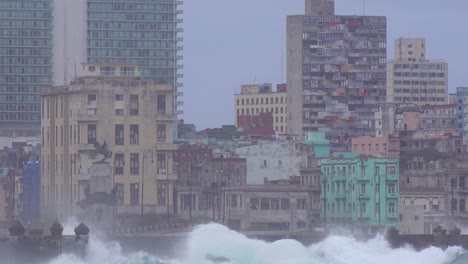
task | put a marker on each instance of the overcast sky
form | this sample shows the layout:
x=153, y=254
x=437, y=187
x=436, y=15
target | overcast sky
x=229, y=43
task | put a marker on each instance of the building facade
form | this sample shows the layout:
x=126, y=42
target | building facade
x=25, y=64
x=413, y=79
x=359, y=193
x=274, y=208
x=44, y=42
x=256, y=99
x=462, y=113
x=421, y=210
x=386, y=146
x=110, y=104
x=336, y=71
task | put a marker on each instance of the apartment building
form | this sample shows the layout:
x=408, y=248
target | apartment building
x=385, y=146
x=109, y=104
x=255, y=99
x=413, y=79
x=462, y=113
x=360, y=193
x=44, y=42
x=336, y=72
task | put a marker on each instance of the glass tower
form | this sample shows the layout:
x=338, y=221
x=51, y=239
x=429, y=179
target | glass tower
x=138, y=31
x=25, y=64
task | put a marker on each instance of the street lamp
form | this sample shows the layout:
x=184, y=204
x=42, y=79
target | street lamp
x=147, y=153
x=74, y=159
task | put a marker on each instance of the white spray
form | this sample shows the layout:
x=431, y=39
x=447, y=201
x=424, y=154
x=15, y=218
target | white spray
x=223, y=244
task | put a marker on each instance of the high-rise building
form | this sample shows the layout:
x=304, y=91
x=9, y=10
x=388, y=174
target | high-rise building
x=109, y=104
x=256, y=99
x=413, y=79
x=44, y=42
x=336, y=71
x=25, y=64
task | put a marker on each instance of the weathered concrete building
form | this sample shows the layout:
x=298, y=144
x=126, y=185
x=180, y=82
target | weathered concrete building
x=336, y=72
x=413, y=79
x=110, y=104
x=252, y=208
x=439, y=171
x=421, y=210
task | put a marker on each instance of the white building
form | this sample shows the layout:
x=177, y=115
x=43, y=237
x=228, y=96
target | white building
x=273, y=160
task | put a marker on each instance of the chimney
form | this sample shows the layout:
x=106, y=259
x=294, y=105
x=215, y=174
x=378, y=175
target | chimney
x=320, y=7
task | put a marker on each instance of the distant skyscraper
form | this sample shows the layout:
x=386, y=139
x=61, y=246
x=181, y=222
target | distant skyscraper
x=413, y=79
x=44, y=42
x=336, y=70
x=25, y=64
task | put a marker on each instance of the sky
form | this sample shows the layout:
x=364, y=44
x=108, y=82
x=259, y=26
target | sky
x=229, y=43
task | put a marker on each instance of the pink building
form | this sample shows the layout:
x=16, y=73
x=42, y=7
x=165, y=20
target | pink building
x=376, y=146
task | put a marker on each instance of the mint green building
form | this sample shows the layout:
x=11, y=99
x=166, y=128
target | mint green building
x=359, y=193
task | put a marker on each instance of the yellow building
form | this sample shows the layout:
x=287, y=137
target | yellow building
x=260, y=98
x=109, y=103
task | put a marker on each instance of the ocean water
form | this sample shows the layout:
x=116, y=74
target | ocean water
x=214, y=243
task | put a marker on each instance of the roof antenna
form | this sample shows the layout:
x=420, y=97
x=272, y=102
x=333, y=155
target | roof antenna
x=363, y=7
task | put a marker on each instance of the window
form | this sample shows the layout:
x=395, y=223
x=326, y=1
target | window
x=119, y=163
x=363, y=188
x=92, y=132
x=133, y=134
x=91, y=98
x=391, y=188
x=119, y=97
x=280, y=163
x=391, y=208
x=254, y=203
x=119, y=135
x=119, y=194
x=285, y=204
x=363, y=208
x=275, y=204
x=265, y=204
x=119, y=112
x=161, y=163
x=377, y=187
x=391, y=170
x=134, y=164
x=107, y=71
x=134, y=105
x=233, y=200
x=134, y=194
x=161, y=104
x=301, y=204
x=161, y=193
x=161, y=130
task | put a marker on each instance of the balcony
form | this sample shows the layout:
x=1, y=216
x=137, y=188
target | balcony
x=163, y=117
x=339, y=196
x=87, y=118
x=363, y=196
x=166, y=146
x=86, y=147
x=162, y=176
